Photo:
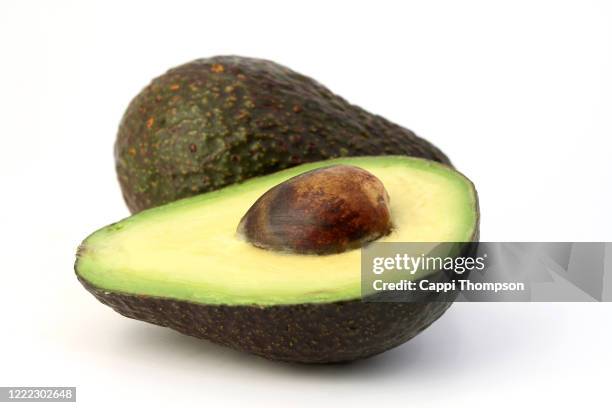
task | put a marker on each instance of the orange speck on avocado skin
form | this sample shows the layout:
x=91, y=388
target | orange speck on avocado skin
x=132, y=151
x=174, y=87
x=217, y=68
x=150, y=122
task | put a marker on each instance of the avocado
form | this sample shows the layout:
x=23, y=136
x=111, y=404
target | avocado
x=219, y=121
x=190, y=265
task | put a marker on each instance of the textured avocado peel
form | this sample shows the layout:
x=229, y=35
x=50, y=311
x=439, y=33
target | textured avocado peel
x=301, y=333
x=181, y=266
x=218, y=121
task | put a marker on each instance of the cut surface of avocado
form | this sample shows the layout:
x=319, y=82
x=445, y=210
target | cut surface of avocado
x=189, y=249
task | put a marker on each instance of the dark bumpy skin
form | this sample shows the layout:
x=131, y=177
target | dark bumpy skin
x=306, y=333
x=323, y=211
x=218, y=121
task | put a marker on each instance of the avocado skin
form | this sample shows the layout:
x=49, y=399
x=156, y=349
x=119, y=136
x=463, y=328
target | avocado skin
x=221, y=120
x=305, y=333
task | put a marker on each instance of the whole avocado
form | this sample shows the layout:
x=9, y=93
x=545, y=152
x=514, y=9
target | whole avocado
x=218, y=121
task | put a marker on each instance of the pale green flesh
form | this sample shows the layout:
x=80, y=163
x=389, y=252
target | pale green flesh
x=188, y=250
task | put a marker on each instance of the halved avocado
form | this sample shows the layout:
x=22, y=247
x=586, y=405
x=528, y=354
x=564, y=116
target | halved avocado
x=183, y=265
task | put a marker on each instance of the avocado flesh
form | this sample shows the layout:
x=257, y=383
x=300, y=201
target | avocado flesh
x=218, y=121
x=189, y=251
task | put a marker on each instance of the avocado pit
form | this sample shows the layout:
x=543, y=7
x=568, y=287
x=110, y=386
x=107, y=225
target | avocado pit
x=324, y=211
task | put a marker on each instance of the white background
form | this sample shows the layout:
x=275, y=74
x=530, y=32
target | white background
x=518, y=94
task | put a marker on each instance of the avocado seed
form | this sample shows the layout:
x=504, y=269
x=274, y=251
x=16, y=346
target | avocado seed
x=323, y=211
